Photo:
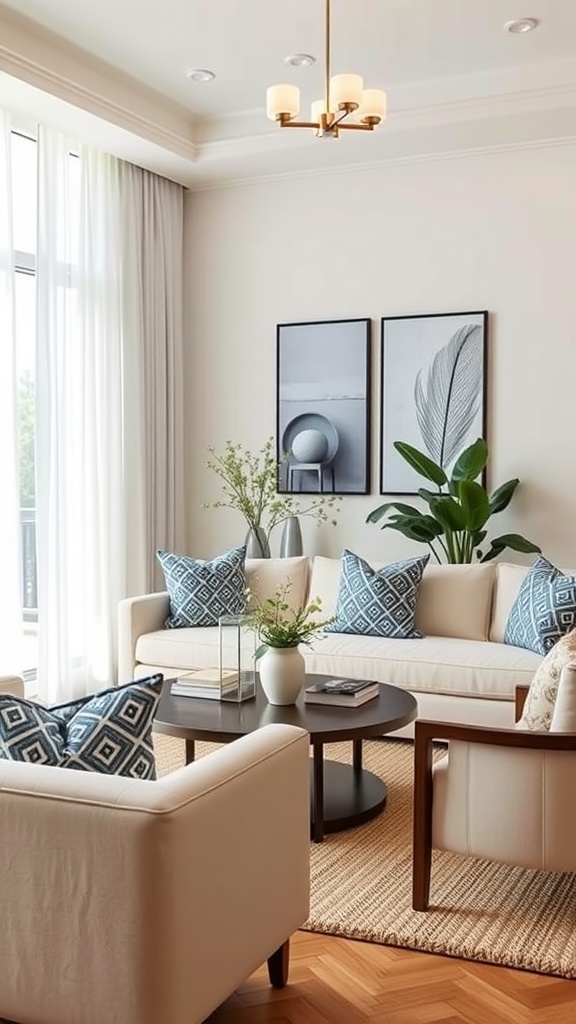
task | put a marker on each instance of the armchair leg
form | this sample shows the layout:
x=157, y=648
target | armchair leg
x=422, y=824
x=278, y=965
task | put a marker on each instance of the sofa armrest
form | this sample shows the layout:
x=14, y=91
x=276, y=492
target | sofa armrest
x=503, y=794
x=188, y=883
x=137, y=616
x=12, y=684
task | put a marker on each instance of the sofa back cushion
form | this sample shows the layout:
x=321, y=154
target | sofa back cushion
x=325, y=582
x=265, y=575
x=456, y=600
x=509, y=579
x=453, y=600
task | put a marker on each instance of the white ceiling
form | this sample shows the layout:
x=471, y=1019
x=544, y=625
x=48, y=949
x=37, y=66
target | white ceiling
x=455, y=79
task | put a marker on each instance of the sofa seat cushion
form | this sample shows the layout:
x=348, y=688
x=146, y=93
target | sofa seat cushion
x=464, y=668
x=186, y=648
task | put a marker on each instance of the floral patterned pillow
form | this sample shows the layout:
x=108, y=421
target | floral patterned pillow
x=539, y=706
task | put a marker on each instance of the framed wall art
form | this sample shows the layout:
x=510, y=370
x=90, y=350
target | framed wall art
x=433, y=391
x=323, y=406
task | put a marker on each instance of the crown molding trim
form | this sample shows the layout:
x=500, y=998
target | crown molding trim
x=48, y=80
x=385, y=163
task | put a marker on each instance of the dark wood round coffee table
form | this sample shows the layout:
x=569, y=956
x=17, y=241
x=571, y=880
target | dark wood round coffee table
x=342, y=795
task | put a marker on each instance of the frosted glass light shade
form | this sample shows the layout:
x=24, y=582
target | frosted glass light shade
x=282, y=99
x=345, y=89
x=373, y=104
x=317, y=109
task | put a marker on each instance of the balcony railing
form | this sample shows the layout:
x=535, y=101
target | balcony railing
x=29, y=576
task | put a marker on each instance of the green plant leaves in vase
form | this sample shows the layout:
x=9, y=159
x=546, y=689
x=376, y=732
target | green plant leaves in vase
x=458, y=510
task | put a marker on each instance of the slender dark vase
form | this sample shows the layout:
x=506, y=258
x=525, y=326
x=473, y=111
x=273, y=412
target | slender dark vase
x=257, y=545
x=291, y=540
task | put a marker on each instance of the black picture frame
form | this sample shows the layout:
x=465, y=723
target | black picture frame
x=432, y=391
x=323, y=388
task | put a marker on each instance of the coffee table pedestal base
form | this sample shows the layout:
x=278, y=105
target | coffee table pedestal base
x=352, y=796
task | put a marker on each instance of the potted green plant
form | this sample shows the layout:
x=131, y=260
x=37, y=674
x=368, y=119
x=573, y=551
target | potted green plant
x=250, y=486
x=280, y=629
x=458, y=511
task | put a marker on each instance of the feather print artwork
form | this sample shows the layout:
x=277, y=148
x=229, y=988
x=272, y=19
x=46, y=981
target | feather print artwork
x=448, y=394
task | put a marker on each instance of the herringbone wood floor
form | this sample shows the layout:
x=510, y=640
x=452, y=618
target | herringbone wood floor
x=337, y=981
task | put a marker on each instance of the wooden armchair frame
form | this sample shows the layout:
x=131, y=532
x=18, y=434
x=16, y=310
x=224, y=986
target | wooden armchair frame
x=425, y=734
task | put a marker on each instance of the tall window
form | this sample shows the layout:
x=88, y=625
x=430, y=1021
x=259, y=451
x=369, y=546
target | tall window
x=25, y=195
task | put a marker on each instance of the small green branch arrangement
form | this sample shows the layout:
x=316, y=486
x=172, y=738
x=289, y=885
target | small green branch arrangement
x=250, y=486
x=277, y=624
x=458, y=510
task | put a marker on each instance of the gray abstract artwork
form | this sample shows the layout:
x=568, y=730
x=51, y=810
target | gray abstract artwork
x=432, y=390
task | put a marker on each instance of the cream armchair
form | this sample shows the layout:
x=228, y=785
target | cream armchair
x=12, y=684
x=502, y=794
x=135, y=902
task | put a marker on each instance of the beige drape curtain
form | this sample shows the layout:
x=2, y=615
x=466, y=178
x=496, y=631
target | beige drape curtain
x=109, y=404
x=153, y=218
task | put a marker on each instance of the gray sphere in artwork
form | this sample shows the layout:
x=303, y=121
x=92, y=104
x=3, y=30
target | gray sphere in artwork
x=310, y=446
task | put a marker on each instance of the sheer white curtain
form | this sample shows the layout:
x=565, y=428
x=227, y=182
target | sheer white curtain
x=10, y=593
x=79, y=438
x=109, y=430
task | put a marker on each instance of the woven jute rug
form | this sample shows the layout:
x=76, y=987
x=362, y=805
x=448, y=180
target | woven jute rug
x=361, y=884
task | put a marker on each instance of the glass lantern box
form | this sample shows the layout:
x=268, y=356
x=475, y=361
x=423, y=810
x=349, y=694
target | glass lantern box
x=236, y=658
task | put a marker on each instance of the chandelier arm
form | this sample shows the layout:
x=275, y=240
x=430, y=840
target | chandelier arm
x=287, y=123
x=356, y=127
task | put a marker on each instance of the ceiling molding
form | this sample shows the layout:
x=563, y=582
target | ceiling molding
x=390, y=162
x=495, y=111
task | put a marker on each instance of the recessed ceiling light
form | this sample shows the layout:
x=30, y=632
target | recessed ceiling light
x=519, y=25
x=200, y=75
x=300, y=60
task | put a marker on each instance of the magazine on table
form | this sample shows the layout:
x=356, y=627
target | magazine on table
x=343, y=692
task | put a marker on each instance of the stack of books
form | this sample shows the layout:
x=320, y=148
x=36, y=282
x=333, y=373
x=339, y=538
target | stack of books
x=204, y=682
x=347, y=693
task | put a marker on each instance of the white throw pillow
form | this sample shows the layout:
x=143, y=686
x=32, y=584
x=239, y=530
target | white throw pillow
x=564, y=717
x=541, y=699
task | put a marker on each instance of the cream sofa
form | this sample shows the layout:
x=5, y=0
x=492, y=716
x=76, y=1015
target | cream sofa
x=460, y=672
x=132, y=902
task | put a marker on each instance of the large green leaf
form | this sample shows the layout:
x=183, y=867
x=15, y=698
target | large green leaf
x=421, y=463
x=448, y=512
x=427, y=495
x=475, y=505
x=471, y=461
x=378, y=513
x=421, y=528
x=510, y=540
x=502, y=496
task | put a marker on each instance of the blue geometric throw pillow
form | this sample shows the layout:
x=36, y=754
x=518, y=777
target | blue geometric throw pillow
x=378, y=602
x=544, y=610
x=200, y=592
x=109, y=732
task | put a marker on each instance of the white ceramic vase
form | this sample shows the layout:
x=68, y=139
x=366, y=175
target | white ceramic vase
x=282, y=674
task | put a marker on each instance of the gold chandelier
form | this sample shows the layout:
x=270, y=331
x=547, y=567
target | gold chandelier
x=343, y=95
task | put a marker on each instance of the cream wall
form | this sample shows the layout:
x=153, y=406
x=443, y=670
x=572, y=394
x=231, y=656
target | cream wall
x=493, y=231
